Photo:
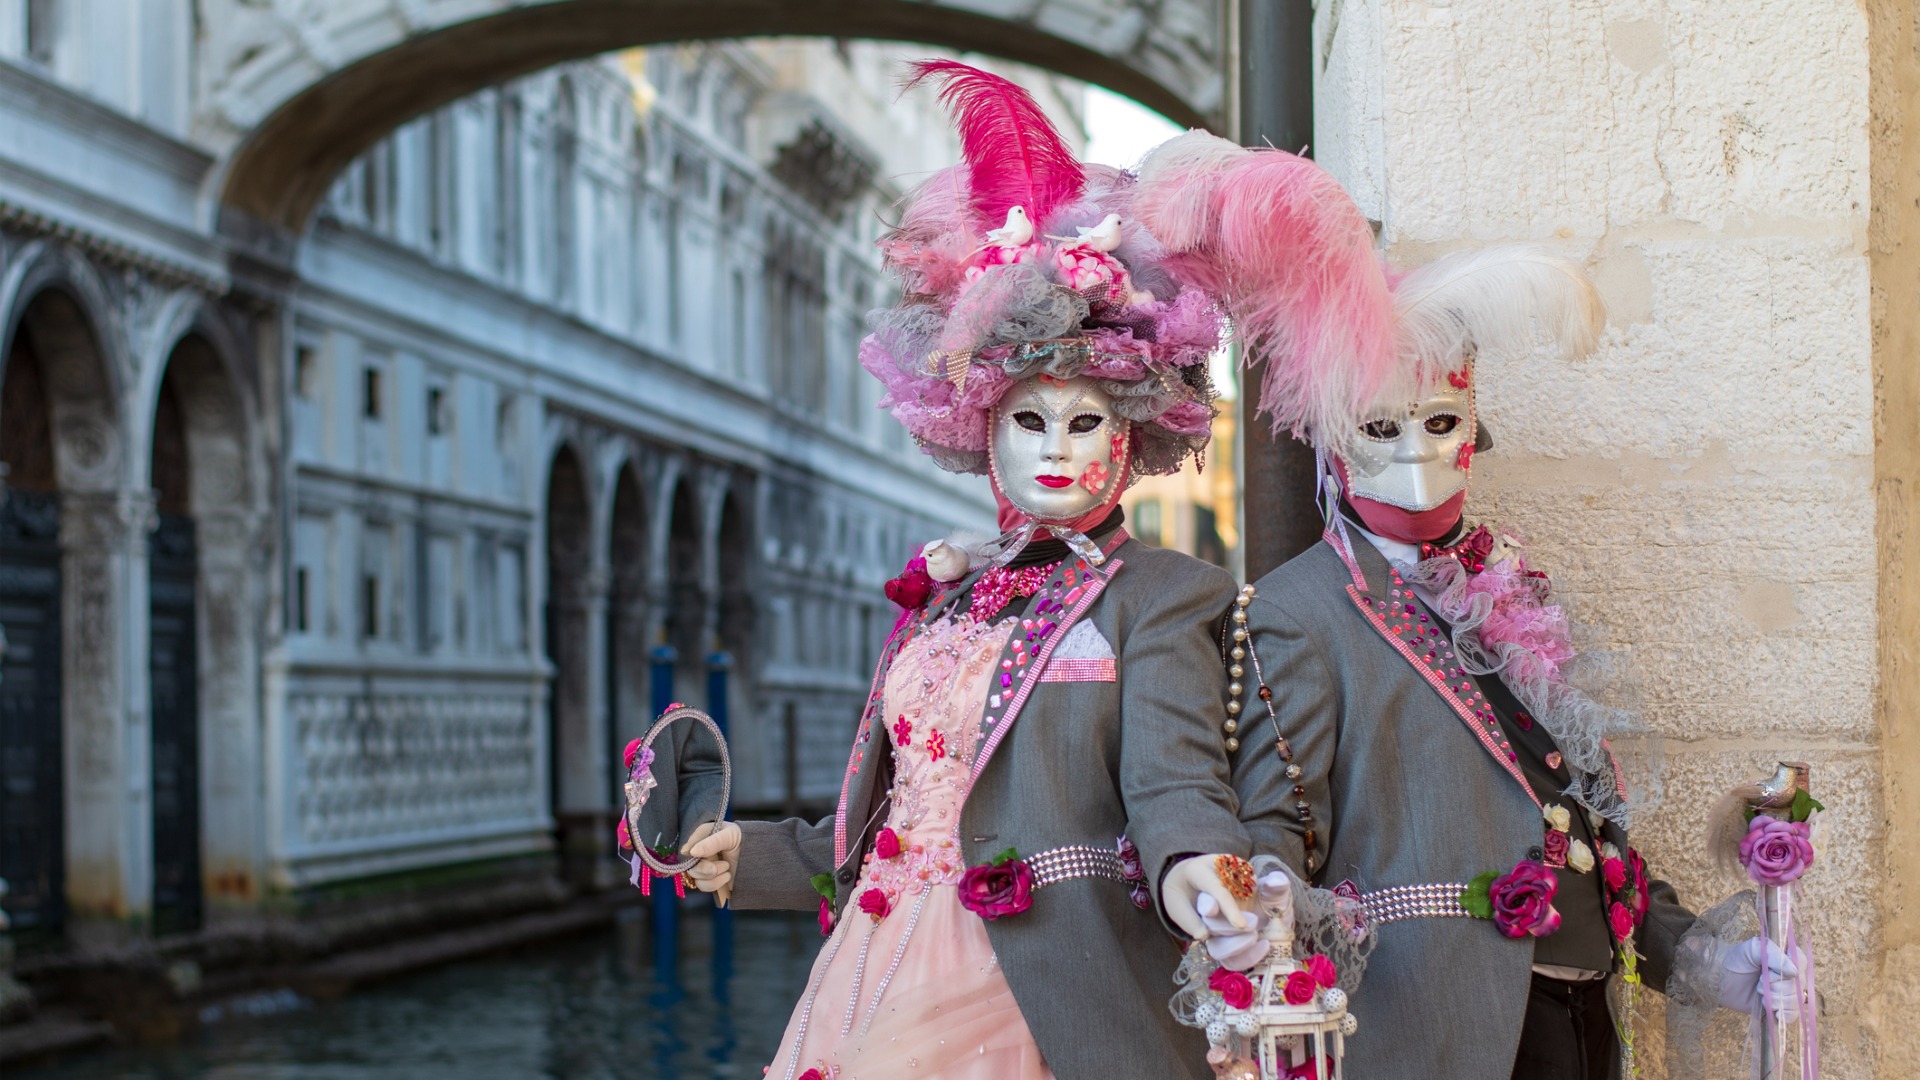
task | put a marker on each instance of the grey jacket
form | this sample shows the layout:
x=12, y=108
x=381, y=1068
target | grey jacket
x=1402, y=792
x=1136, y=749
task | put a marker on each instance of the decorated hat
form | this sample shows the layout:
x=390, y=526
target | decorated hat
x=1283, y=247
x=1025, y=261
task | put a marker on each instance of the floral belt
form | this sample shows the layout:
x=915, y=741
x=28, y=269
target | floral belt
x=1005, y=885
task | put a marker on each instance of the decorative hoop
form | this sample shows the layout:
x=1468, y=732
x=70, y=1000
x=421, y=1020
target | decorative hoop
x=633, y=808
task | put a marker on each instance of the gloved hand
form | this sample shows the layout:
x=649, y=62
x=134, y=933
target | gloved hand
x=717, y=846
x=1744, y=964
x=1185, y=883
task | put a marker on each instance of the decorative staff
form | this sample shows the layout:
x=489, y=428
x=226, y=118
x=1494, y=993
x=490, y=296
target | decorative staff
x=1775, y=849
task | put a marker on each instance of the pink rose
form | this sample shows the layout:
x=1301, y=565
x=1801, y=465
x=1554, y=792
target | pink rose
x=811, y=1074
x=875, y=903
x=632, y=749
x=1615, y=872
x=1322, y=969
x=1307, y=1070
x=887, y=844
x=1300, y=988
x=1776, y=852
x=913, y=587
x=991, y=891
x=620, y=833
x=1620, y=921
x=1556, y=848
x=1523, y=901
x=1130, y=867
x=1094, y=479
x=826, y=917
x=1234, y=988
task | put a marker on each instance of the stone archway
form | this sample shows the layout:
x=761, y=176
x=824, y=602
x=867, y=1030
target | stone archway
x=68, y=844
x=301, y=90
x=201, y=645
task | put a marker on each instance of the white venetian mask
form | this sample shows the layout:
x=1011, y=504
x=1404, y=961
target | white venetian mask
x=1416, y=455
x=1058, y=447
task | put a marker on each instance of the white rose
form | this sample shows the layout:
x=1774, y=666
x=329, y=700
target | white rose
x=1607, y=850
x=1558, y=818
x=1579, y=856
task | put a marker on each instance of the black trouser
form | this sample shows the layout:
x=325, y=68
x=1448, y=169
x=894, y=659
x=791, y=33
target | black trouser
x=1568, y=1033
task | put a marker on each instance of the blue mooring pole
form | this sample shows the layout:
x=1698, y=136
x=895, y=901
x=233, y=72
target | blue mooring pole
x=666, y=906
x=719, y=668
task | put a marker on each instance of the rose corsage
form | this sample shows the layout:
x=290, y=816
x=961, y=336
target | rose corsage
x=1001, y=887
x=1520, y=901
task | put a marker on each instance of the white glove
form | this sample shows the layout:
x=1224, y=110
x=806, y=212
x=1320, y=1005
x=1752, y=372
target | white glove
x=1184, y=884
x=1740, y=975
x=717, y=846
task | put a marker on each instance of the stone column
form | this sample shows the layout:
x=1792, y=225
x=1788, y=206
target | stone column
x=583, y=799
x=103, y=540
x=231, y=629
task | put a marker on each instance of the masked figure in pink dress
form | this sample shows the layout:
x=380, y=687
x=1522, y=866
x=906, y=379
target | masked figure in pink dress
x=1036, y=783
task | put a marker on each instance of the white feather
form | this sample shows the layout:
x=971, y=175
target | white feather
x=1178, y=176
x=1503, y=299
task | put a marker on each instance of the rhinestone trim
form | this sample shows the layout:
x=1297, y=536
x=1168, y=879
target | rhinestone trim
x=1435, y=901
x=1059, y=864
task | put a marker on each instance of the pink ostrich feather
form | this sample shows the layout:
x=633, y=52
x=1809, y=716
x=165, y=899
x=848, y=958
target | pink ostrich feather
x=1014, y=155
x=1291, y=257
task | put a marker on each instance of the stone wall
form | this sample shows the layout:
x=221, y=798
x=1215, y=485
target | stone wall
x=1703, y=487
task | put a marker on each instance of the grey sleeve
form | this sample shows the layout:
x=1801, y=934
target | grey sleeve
x=700, y=776
x=1668, y=921
x=777, y=862
x=1306, y=713
x=1173, y=763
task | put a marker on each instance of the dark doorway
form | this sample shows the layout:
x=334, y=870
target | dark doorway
x=578, y=832
x=32, y=796
x=173, y=678
x=628, y=715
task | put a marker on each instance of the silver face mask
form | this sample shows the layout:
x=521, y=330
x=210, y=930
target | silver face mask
x=1058, y=447
x=1416, y=456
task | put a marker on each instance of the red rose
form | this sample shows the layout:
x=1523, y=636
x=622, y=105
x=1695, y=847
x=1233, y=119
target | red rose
x=875, y=903
x=811, y=1074
x=1620, y=921
x=1523, y=901
x=826, y=917
x=1306, y=1070
x=1615, y=872
x=887, y=844
x=1556, y=848
x=991, y=891
x=1638, y=867
x=1130, y=867
x=1236, y=989
x=913, y=587
x=1322, y=970
x=633, y=748
x=620, y=833
x=1300, y=988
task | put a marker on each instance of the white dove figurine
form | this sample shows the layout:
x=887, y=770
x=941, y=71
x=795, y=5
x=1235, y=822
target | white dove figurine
x=1017, y=232
x=1104, y=236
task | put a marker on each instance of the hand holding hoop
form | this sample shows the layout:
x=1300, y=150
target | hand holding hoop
x=640, y=782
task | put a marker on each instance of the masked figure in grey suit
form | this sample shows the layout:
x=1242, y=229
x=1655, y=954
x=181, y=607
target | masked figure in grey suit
x=1037, y=764
x=1403, y=724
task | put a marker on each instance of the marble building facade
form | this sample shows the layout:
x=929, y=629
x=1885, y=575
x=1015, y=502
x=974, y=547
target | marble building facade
x=364, y=563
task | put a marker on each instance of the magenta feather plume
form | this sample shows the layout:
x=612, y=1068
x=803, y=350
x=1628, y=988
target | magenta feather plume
x=1014, y=155
x=1283, y=246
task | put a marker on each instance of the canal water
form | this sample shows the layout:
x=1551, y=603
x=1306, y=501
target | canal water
x=583, y=1008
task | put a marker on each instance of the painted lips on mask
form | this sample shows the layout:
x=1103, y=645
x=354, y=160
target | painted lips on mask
x=1054, y=446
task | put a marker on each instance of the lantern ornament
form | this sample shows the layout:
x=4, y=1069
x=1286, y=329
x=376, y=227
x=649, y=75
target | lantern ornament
x=1268, y=1015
